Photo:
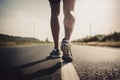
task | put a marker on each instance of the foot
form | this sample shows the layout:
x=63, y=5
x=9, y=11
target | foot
x=55, y=53
x=66, y=49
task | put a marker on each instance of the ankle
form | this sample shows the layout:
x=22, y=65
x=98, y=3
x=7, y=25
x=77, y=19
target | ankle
x=56, y=49
x=67, y=38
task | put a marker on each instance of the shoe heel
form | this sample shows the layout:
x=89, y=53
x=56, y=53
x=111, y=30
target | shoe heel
x=65, y=48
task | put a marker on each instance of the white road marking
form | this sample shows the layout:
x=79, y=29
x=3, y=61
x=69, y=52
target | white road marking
x=68, y=72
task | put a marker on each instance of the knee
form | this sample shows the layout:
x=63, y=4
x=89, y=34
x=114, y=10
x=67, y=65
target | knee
x=55, y=9
x=69, y=15
x=55, y=13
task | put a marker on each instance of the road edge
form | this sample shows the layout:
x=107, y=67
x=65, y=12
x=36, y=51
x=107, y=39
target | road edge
x=68, y=71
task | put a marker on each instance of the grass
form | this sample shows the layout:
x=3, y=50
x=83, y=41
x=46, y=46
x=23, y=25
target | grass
x=9, y=43
x=107, y=44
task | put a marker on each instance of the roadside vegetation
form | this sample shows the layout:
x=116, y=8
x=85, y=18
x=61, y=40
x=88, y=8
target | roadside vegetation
x=112, y=40
x=7, y=40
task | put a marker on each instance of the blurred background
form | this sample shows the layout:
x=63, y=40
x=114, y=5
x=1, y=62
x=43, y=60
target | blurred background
x=31, y=18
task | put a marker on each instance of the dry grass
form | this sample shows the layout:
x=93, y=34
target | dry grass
x=21, y=43
x=108, y=44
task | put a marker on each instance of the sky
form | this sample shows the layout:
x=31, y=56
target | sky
x=31, y=18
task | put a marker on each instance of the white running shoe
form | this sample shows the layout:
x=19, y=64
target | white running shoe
x=66, y=49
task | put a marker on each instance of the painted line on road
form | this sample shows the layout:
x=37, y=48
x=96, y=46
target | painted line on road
x=68, y=72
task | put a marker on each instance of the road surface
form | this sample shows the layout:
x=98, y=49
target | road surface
x=30, y=63
x=97, y=63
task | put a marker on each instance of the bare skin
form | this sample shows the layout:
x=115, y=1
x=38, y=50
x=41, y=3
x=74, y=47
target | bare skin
x=69, y=20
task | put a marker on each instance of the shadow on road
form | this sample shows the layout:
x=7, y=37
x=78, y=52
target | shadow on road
x=43, y=72
x=33, y=63
x=16, y=73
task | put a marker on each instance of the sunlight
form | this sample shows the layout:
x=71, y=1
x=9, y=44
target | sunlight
x=100, y=14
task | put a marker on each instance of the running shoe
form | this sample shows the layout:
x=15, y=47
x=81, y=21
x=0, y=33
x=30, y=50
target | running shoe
x=55, y=53
x=66, y=49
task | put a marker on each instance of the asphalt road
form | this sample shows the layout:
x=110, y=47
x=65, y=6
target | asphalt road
x=30, y=63
x=97, y=63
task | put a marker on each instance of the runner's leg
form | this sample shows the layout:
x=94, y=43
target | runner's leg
x=69, y=20
x=55, y=10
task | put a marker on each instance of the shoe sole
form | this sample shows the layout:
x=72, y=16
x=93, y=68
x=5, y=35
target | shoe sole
x=66, y=49
x=67, y=58
x=53, y=57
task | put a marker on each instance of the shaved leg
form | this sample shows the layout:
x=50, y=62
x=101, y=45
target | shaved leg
x=55, y=10
x=69, y=20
